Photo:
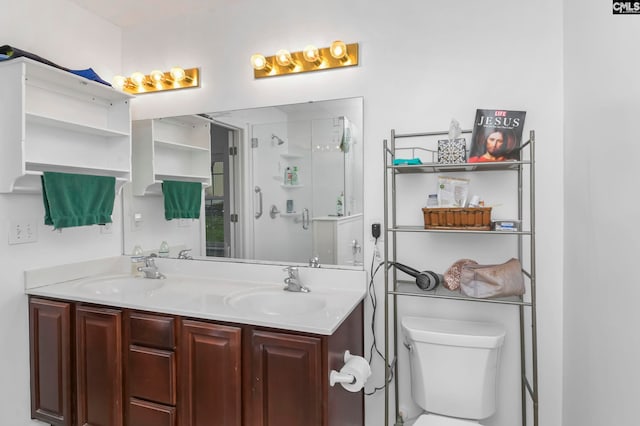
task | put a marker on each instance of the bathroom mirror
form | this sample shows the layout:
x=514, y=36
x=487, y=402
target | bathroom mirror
x=286, y=186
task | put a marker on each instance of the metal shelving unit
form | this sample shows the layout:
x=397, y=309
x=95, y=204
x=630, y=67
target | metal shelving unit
x=395, y=288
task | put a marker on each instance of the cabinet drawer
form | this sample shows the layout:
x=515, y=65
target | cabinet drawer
x=152, y=374
x=144, y=413
x=152, y=330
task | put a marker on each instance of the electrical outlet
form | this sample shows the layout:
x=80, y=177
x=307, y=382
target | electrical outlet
x=184, y=223
x=136, y=221
x=22, y=232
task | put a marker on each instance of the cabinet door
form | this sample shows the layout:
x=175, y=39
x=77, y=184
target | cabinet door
x=285, y=374
x=210, y=375
x=50, y=342
x=99, y=366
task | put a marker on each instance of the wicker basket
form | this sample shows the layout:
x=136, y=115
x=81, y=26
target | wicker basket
x=466, y=218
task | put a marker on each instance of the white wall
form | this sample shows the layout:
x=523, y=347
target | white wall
x=421, y=64
x=601, y=151
x=71, y=37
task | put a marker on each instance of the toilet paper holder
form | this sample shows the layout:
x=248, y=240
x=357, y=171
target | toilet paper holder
x=353, y=375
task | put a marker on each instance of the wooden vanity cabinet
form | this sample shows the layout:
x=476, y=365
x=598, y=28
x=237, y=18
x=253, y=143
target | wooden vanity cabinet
x=284, y=379
x=50, y=339
x=286, y=376
x=76, y=363
x=150, y=369
x=98, y=335
x=93, y=365
x=210, y=374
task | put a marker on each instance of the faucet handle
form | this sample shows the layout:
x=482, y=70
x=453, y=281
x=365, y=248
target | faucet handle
x=291, y=270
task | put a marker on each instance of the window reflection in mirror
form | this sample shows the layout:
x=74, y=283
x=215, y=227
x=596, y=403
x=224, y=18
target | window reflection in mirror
x=286, y=186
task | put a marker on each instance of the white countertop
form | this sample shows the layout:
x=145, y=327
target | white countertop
x=222, y=291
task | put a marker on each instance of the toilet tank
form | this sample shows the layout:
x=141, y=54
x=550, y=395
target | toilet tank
x=454, y=365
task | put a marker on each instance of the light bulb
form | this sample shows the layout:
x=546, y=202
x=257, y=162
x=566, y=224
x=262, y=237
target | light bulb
x=311, y=53
x=137, y=78
x=177, y=74
x=119, y=81
x=283, y=57
x=259, y=62
x=338, y=49
x=156, y=76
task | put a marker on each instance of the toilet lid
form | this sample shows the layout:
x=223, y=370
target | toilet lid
x=435, y=420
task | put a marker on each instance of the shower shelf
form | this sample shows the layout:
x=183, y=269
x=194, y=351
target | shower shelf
x=293, y=215
x=291, y=156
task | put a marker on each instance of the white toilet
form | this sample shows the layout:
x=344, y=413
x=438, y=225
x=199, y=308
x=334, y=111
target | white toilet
x=454, y=365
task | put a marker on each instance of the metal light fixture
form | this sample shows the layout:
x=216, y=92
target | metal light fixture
x=156, y=81
x=338, y=55
x=338, y=50
x=284, y=59
x=259, y=62
x=312, y=54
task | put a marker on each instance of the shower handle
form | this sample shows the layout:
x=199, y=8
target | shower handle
x=305, y=218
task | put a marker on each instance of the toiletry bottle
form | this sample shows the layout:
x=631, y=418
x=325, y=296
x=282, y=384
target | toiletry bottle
x=164, y=249
x=287, y=176
x=294, y=176
x=340, y=205
x=136, y=261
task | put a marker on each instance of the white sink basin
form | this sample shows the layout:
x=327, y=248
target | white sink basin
x=276, y=302
x=119, y=285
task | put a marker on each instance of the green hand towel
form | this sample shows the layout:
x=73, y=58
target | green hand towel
x=182, y=200
x=77, y=200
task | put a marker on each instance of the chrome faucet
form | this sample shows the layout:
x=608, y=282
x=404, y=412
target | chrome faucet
x=293, y=281
x=314, y=262
x=150, y=269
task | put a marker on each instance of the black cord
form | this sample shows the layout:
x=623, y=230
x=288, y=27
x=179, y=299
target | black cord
x=374, y=304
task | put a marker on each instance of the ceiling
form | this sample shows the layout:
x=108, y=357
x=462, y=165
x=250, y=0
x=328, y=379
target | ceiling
x=127, y=13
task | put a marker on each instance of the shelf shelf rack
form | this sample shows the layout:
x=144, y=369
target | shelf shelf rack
x=395, y=288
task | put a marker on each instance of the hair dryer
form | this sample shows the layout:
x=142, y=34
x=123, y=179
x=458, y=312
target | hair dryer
x=426, y=280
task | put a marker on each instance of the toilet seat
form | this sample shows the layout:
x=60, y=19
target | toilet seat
x=435, y=420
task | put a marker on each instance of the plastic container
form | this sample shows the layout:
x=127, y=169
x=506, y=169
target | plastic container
x=164, y=249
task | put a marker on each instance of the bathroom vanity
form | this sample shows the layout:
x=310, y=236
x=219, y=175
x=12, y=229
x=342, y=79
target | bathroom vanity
x=117, y=350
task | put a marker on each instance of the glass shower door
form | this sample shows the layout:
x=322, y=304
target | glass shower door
x=281, y=179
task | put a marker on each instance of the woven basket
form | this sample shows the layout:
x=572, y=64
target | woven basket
x=466, y=218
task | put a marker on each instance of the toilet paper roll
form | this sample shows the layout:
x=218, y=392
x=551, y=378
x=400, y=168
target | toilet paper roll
x=359, y=369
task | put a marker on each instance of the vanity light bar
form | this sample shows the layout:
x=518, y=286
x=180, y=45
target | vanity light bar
x=156, y=81
x=337, y=55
